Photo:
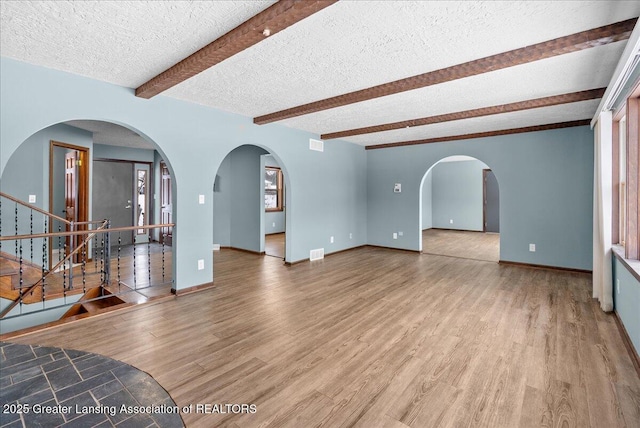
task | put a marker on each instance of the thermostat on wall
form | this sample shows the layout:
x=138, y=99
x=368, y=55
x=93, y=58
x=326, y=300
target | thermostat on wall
x=397, y=188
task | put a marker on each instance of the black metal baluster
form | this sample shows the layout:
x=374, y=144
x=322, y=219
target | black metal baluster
x=59, y=242
x=107, y=257
x=101, y=259
x=44, y=258
x=95, y=252
x=118, y=265
x=61, y=258
x=21, y=267
x=149, y=259
x=134, y=265
x=15, y=254
x=163, y=261
x=84, y=267
x=31, y=233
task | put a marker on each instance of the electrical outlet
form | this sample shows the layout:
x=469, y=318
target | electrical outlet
x=351, y=236
x=201, y=264
x=532, y=248
x=273, y=224
x=331, y=239
x=450, y=221
x=201, y=199
x=395, y=235
x=618, y=285
x=32, y=199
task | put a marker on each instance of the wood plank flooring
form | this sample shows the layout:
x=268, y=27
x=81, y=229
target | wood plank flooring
x=461, y=243
x=274, y=245
x=377, y=338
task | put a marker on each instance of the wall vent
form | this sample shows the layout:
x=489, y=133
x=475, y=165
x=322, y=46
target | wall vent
x=316, y=254
x=316, y=145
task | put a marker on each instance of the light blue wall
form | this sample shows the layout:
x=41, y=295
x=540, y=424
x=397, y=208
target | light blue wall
x=327, y=192
x=427, y=203
x=627, y=301
x=101, y=151
x=546, y=187
x=273, y=220
x=222, y=204
x=237, y=204
x=457, y=195
x=247, y=204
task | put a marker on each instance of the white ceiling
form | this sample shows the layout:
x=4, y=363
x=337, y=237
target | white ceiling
x=111, y=134
x=348, y=46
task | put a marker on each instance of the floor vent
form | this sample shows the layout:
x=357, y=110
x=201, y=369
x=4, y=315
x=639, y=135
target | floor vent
x=316, y=145
x=316, y=254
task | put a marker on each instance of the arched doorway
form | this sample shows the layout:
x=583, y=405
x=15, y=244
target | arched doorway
x=459, y=210
x=250, y=199
x=82, y=172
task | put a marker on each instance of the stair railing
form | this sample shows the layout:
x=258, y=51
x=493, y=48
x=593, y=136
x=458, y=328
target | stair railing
x=95, y=260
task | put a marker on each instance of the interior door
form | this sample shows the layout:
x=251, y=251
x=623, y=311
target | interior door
x=491, y=202
x=71, y=198
x=113, y=197
x=165, y=204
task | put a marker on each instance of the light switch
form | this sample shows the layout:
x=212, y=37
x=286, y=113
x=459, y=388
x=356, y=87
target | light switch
x=201, y=264
x=201, y=199
x=32, y=199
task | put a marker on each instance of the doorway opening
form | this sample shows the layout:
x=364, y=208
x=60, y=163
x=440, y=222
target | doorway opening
x=274, y=208
x=460, y=210
x=68, y=195
x=250, y=194
x=121, y=191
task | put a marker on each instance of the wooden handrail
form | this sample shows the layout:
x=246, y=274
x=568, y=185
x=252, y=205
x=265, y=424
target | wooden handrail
x=33, y=207
x=38, y=283
x=83, y=232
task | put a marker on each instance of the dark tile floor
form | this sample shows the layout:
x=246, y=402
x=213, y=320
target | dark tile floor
x=51, y=387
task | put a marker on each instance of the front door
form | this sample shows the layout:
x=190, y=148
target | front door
x=113, y=197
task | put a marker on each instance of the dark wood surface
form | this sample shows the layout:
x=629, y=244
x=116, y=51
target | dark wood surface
x=478, y=112
x=560, y=46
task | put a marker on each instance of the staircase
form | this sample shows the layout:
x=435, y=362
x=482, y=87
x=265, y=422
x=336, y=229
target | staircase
x=91, y=271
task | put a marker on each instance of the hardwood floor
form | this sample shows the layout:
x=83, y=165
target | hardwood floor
x=461, y=243
x=375, y=337
x=274, y=245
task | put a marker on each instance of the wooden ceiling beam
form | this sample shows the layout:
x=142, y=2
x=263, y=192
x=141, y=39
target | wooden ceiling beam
x=553, y=100
x=275, y=18
x=560, y=46
x=583, y=122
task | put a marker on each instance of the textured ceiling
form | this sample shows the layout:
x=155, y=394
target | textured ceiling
x=111, y=134
x=348, y=46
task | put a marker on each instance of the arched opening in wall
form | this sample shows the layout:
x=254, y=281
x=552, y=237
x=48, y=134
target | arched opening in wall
x=460, y=210
x=83, y=197
x=250, y=202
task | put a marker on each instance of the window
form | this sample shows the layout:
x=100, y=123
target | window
x=626, y=176
x=622, y=135
x=272, y=189
x=141, y=215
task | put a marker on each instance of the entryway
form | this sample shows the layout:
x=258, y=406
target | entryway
x=460, y=210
